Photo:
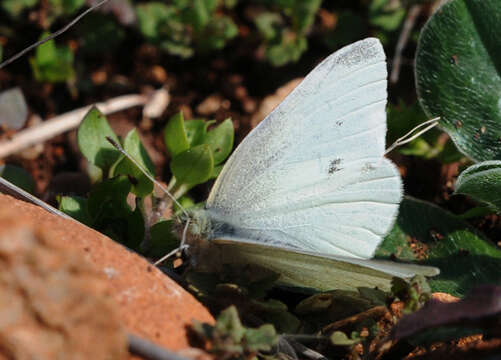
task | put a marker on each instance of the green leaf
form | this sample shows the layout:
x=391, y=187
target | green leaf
x=186, y=202
x=198, y=14
x=162, y=239
x=289, y=49
x=76, y=207
x=477, y=212
x=15, y=7
x=142, y=186
x=65, y=7
x=403, y=118
x=193, y=166
x=465, y=257
x=196, y=131
x=135, y=230
x=220, y=141
x=339, y=338
x=315, y=303
x=95, y=27
x=216, y=171
x=482, y=182
x=229, y=324
x=277, y=313
x=152, y=16
x=175, y=137
x=267, y=23
x=386, y=14
x=303, y=15
x=52, y=64
x=458, y=64
x=108, y=200
x=414, y=293
x=91, y=137
x=18, y=176
x=260, y=339
x=163, y=25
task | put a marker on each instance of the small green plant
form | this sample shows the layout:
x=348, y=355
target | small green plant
x=197, y=153
x=285, y=27
x=229, y=339
x=15, y=7
x=184, y=26
x=18, y=176
x=52, y=63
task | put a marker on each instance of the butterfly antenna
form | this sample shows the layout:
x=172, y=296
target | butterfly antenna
x=146, y=173
x=429, y=124
x=182, y=246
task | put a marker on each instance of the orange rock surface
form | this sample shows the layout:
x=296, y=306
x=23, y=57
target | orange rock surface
x=150, y=304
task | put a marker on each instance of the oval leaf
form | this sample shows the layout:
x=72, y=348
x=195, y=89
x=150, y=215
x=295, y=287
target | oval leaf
x=220, y=141
x=76, y=207
x=193, y=166
x=142, y=186
x=458, y=64
x=175, y=137
x=162, y=239
x=439, y=238
x=18, y=176
x=482, y=182
x=91, y=137
x=108, y=200
x=196, y=131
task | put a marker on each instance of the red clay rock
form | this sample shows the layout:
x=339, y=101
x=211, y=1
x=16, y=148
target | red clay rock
x=53, y=305
x=151, y=305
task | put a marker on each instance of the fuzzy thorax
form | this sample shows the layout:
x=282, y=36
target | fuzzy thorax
x=203, y=254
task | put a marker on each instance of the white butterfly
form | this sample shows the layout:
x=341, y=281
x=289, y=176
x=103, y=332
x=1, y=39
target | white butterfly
x=308, y=193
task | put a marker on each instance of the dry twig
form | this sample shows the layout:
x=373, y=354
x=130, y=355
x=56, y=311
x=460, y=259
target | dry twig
x=412, y=15
x=62, y=123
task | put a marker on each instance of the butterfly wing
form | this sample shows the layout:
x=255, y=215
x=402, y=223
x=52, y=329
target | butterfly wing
x=312, y=176
x=308, y=270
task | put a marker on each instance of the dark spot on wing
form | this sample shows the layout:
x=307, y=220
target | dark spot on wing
x=339, y=123
x=334, y=166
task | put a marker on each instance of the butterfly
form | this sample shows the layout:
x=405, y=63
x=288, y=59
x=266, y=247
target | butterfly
x=308, y=193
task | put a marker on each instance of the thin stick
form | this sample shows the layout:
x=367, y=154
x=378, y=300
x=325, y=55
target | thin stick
x=62, y=123
x=51, y=36
x=150, y=351
x=9, y=188
x=412, y=15
x=404, y=140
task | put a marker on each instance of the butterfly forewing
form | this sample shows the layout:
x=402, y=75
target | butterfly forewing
x=312, y=175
